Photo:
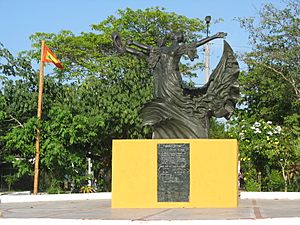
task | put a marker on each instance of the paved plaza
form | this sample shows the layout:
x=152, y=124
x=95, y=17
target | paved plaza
x=101, y=210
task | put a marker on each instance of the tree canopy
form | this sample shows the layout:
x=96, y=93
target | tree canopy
x=95, y=99
x=268, y=121
x=271, y=86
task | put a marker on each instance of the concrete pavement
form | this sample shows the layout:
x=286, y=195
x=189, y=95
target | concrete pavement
x=249, y=211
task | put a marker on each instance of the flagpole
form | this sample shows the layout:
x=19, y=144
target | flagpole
x=39, y=116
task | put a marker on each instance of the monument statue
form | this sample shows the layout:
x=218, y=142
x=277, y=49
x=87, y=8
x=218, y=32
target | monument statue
x=177, y=111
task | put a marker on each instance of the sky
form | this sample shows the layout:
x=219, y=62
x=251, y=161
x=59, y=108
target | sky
x=21, y=18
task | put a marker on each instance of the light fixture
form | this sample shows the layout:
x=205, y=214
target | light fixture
x=207, y=20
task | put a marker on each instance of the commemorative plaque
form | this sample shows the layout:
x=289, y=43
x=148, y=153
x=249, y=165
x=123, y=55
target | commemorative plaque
x=173, y=172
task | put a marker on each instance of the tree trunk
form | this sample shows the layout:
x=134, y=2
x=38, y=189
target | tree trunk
x=285, y=177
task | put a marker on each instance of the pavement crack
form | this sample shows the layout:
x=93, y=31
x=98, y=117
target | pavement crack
x=153, y=214
x=256, y=210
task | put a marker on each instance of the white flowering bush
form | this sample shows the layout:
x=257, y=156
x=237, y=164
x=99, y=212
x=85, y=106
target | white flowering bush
x=262, y=136
x=265, y=155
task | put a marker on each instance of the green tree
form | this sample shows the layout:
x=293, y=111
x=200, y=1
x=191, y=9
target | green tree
x=96, y=98
x=217, y=129
x=270, y=92
x=272, y=84
x=17, y=107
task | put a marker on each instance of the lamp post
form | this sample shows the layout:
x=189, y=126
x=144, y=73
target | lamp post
x=207, y=56
x=207, y=20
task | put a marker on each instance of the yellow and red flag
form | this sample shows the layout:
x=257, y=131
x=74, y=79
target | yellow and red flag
x=48, y=56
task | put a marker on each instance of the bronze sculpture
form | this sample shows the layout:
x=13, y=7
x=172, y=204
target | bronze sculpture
x=177, y=111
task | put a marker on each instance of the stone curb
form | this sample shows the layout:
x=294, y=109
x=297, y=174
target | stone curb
x=271, y=195
x=53, y=197
x=107, y=195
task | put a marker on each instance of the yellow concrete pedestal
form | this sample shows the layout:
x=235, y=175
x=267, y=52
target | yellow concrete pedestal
x=213, y=174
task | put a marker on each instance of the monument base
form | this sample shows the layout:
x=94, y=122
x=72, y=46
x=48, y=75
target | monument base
x=203, y=175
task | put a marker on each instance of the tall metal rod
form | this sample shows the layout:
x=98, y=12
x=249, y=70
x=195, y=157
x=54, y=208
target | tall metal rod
x=207, y=61
x=207, y=50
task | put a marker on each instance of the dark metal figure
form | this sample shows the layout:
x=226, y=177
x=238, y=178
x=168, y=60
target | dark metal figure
x=178, y=112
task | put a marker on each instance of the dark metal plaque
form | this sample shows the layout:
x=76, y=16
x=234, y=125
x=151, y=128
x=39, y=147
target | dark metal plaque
x=173, y=172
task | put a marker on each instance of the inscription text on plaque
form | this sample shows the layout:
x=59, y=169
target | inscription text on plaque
x=173, y=172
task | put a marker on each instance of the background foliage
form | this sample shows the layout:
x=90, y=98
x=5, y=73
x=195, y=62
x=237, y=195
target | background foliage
x=97, y=98
x=267, y=123
x=94, y=100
